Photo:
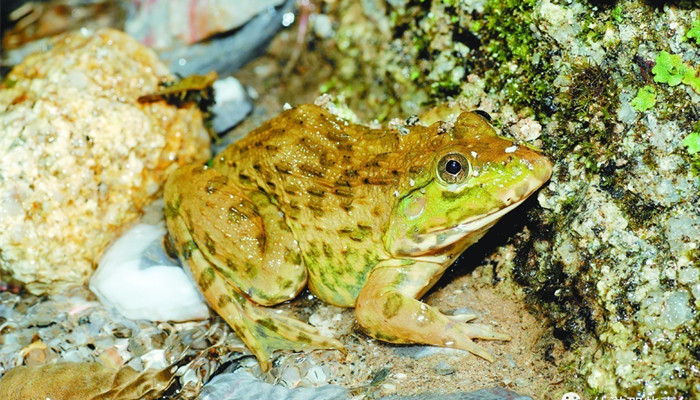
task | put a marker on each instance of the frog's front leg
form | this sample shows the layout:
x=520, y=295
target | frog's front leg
x=388, y=310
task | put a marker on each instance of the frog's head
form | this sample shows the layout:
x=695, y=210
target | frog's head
x=474, y=178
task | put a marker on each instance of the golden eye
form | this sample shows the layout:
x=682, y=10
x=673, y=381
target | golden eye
x=453, y=168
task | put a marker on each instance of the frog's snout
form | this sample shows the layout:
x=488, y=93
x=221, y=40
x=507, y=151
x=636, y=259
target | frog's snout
x=540, y=170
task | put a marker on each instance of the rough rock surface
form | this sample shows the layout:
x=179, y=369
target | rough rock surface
x=80, y=156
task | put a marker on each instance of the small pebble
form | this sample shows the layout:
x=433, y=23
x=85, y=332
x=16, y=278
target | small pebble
x=444, y=368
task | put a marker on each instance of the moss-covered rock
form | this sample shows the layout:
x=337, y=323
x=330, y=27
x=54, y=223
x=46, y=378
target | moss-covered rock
x=612, y=257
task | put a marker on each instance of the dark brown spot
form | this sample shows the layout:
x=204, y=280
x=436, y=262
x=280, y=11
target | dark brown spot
x=344, y=192
x=19, y=99
x=286, y=283
x=346, y=205
x=293, y=257
x=235, y=216
x=392, y=305
x=327, y=250
x=379, y=160
x=385, y=337
x=318, y=192
x=283, y=169
x=250, y=269
x=243, y=177
x=317, y=209
x=261, y=240
x=223, y=300
x=172, y=208
x=311, y=170
x=326, y=159
x=302, y=337
x=206, y=278
x=198, y=170
x=216, y=183
x=187, y=248
x=337, y=136
x=209, y=243
x=379, y=181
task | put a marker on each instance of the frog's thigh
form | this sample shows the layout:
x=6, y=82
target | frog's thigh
x=240, y=234
x=387, y=309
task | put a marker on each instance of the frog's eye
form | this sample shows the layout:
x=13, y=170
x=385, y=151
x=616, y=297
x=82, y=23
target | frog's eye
x=453, y=168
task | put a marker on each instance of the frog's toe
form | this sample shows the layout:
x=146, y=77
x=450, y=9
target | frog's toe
x=464, y=343
x=460, y=336
x=478, y=331
x=463, y=317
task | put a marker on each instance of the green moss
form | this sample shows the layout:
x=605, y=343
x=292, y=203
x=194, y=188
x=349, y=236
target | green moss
x=692, y=142
x=694, y=32
x=645, y=99
x=692, y=78
x=592, y=100
x=507, y=40
x=9, y=83
x=616, y=13
x=669, y=69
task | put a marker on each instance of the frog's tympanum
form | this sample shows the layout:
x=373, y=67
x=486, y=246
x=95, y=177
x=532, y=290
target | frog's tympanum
x=367, y=218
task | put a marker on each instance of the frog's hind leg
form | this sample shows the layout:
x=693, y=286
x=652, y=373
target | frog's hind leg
x=388, y=310
x=263, y=331
x=240, y=253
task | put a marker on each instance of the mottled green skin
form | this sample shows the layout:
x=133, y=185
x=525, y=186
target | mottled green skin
x=360, y=215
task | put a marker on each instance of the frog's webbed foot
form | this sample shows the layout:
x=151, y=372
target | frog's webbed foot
x=387, y=309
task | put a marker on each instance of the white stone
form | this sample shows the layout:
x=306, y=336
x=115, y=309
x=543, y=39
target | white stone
x=141, y=282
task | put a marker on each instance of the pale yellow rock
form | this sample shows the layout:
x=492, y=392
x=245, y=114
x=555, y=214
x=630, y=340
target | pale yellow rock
x=80, y=157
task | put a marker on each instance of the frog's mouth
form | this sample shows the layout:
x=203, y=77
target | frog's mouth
x=439, y=244
x=467, y=232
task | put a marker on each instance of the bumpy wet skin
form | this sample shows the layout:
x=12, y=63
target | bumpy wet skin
x=368, y=218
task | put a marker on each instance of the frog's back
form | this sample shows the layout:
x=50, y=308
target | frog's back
x=335, y=182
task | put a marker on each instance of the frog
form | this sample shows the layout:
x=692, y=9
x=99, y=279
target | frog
x=365, y=218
